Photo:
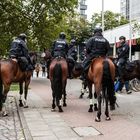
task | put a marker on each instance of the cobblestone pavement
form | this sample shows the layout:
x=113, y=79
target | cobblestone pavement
x=10, y=126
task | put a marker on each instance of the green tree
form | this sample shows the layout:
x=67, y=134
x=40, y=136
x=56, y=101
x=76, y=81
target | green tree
x=111, y=20
x=37, y=18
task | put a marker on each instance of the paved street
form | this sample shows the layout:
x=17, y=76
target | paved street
x=75, y=123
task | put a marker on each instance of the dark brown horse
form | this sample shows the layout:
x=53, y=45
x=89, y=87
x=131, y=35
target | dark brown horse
x=58, y=76
x=102, y=74
x=130, y=71
x=10, y=72
x=133, y=71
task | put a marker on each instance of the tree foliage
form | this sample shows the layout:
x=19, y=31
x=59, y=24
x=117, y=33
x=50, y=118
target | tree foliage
x=111, y=20
x=37, y=18
x=43, y=20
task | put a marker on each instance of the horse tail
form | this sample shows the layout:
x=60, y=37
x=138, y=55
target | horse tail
x=1, y=89
x=107, y=82
x=57, y=82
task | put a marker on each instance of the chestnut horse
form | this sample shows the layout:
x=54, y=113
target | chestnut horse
x=58, y=76
x=102, y=74
x=10, y=72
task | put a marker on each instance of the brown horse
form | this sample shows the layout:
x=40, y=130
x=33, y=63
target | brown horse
x=102, y=74
x=10, y=72
x=58, y=76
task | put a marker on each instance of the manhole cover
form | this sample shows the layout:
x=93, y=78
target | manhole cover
x=86, y=131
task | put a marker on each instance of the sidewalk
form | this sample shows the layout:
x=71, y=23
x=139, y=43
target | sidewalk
x=10, y=126
x=42, y=124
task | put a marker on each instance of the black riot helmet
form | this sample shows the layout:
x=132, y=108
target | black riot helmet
x=122, y=37
x=23, y=36
x=98, y=30
x=62, y=35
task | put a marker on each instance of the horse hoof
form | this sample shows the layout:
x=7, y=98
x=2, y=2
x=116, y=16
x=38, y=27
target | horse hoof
x=20, y=105
x=64, y=104
x=112, y=107
x=53, y=110
x=60, y=110
x=95, y=108
x=97, y=119
x=80, y=97
x=26, y=106
x=108, y=118
x=90, y=110
x=4, y=114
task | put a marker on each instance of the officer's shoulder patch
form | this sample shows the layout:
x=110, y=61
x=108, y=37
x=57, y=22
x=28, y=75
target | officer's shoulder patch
x=100, y=39
x=17, y=41
x=61, y=41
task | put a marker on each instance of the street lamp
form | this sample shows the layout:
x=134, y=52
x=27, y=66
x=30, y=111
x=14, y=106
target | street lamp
x=130, y=30
x=103, y=15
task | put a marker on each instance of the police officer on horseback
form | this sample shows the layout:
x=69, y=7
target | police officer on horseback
x=60, y=46
x=72, y=52
x=123, y=55
x=72, y=56
x=19, y=51
x=97, y=46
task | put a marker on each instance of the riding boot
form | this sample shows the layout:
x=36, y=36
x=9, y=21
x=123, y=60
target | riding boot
x=30, y=65
x=120, y=73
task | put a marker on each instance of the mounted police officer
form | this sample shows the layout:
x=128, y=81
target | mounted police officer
x=72, y=56
x=123, y=55
x=97, y=46
x=60, y=46
x=19, y=51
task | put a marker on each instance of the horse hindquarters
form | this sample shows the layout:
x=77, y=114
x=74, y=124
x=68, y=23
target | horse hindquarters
x=57, y=85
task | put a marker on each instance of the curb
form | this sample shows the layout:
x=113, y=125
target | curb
x=26, y=131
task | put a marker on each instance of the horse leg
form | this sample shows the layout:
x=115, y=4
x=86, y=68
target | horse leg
x=64, y=98
x=90, y=97
x=98, y=117
x=6, y=89
x=59, y=104
x=95, y=102
x=53, y=102
x=27, y=82
x=20, y=92
x=106, y=108
x=82, y=90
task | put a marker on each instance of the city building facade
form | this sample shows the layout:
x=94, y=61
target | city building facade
x=135, y=9
x=82, y=8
